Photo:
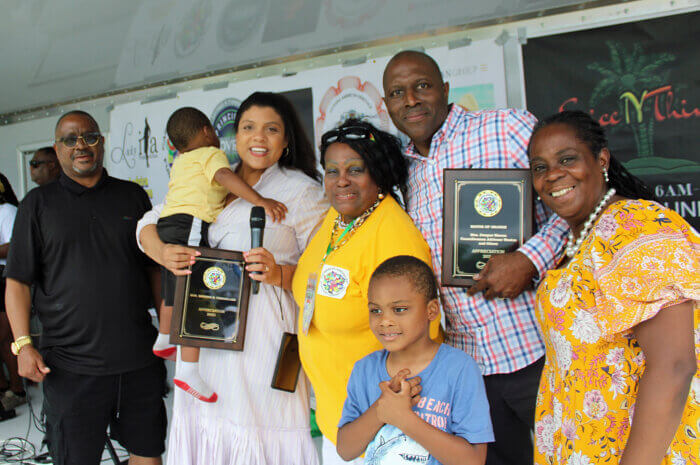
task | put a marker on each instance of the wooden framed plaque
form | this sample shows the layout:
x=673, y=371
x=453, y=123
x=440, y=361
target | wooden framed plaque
x=211, y=304
x=486, y=212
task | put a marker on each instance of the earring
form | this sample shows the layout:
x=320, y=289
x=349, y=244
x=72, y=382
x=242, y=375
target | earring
x=605, y=175
x=380, y=195
x=539, y=199
x=285, y=152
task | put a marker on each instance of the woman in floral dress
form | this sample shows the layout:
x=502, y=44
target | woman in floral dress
x=619, y=315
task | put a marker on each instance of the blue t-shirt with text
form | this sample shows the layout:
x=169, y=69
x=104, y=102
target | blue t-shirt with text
x=453, y=399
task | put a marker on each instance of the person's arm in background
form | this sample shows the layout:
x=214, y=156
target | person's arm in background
x=508, y=275
x=668, y=343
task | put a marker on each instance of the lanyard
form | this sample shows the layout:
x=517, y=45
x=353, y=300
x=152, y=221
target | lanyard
x=332, y=246
x=309, y=300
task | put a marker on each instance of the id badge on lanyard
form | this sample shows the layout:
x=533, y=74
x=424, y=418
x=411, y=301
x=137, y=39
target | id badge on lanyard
x=334, y=289
x=309, y=302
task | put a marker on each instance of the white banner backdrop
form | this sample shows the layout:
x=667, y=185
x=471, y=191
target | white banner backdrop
x=140, y=151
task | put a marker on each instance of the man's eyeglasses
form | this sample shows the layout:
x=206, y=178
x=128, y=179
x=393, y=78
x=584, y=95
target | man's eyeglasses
x=91, y=139
x=346, y=133
x=38, y=163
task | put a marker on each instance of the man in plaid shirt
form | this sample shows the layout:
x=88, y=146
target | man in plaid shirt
x=494, y=320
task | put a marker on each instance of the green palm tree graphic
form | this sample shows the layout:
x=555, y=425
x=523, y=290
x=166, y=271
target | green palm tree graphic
x=630, y=75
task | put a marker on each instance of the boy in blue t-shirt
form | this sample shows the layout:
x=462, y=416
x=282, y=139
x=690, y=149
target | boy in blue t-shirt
x=439, y=416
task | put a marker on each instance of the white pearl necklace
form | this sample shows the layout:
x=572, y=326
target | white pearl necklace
x=571, y=246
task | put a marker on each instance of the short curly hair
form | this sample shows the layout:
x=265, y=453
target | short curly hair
x=184, y=124
x=382, y=155
x=416, y=271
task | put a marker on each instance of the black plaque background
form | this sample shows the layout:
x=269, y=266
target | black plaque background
x=472, y=182
x=508, y=216
x=185, y=327
x=662, y=147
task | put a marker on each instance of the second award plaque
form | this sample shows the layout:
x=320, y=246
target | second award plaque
x=486, y=212
x=211, y=304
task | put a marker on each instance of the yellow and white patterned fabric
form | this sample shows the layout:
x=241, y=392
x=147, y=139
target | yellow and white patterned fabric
x=640, y=259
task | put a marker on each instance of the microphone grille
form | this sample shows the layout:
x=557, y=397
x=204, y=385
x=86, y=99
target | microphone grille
x=257, y=217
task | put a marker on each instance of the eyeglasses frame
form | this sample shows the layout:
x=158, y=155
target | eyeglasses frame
x=62, y=140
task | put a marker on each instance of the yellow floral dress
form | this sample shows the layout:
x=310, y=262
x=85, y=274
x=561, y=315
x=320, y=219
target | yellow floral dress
x=639, y=259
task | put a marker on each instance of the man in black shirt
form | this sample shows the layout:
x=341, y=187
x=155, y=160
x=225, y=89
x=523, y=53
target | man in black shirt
x=44, y=167
x=75, y=240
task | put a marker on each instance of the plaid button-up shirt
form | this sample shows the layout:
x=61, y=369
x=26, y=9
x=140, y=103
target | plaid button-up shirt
x=502, y=335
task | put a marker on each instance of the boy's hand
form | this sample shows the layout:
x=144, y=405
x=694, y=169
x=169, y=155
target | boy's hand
x=276, y=210
x=414, y=383
x=394, y=407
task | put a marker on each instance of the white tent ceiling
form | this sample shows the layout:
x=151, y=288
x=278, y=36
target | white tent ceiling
x=58, y=51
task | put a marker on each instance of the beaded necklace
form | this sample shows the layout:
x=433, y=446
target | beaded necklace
x=571, y=246
x=347, y=229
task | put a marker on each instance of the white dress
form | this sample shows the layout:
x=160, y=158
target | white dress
x=251, y=423
x=7, y=221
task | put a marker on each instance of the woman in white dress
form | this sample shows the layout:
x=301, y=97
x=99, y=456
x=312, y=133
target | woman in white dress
x=251, y=423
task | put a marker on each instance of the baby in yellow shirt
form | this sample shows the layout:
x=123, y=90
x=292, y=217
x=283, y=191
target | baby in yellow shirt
x=200, y=180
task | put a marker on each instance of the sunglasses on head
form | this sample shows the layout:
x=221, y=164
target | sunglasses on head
x=346, y=133
x=91, y=139
x=37, y=163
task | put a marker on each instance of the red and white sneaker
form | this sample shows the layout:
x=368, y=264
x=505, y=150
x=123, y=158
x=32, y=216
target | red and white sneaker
x=195, y=393
x=169, y=353
x=163, y=348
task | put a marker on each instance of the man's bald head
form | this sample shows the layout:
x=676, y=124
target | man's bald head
x=84, y=114
x=416, y=96
x=79, y=160
x=430, y=64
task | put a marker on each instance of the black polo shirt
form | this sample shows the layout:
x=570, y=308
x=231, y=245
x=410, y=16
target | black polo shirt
x=78, y=245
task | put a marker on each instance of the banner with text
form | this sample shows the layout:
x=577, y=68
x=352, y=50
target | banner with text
x=640, y=81
x=139, y=149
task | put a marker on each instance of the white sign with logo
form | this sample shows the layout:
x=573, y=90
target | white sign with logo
x=140, y=150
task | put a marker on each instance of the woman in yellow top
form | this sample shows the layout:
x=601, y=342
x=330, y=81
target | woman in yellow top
x=619, y=315
x=364, y=226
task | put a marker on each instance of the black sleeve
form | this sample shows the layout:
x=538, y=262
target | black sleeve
x=23, y=258
x=143, y=206
x=144, y=202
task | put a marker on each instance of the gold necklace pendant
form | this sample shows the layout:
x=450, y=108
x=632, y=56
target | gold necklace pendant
x=356, y=224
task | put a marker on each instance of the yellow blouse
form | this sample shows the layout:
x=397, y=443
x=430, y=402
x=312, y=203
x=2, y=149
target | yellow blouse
x=639, y=259
x=339, y=334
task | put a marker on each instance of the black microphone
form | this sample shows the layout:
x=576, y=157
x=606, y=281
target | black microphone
x=257, y=227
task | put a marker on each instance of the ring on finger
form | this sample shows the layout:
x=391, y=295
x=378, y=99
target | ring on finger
x=267, y=268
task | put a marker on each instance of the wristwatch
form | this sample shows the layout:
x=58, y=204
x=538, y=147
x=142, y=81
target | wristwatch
x=20, y=342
